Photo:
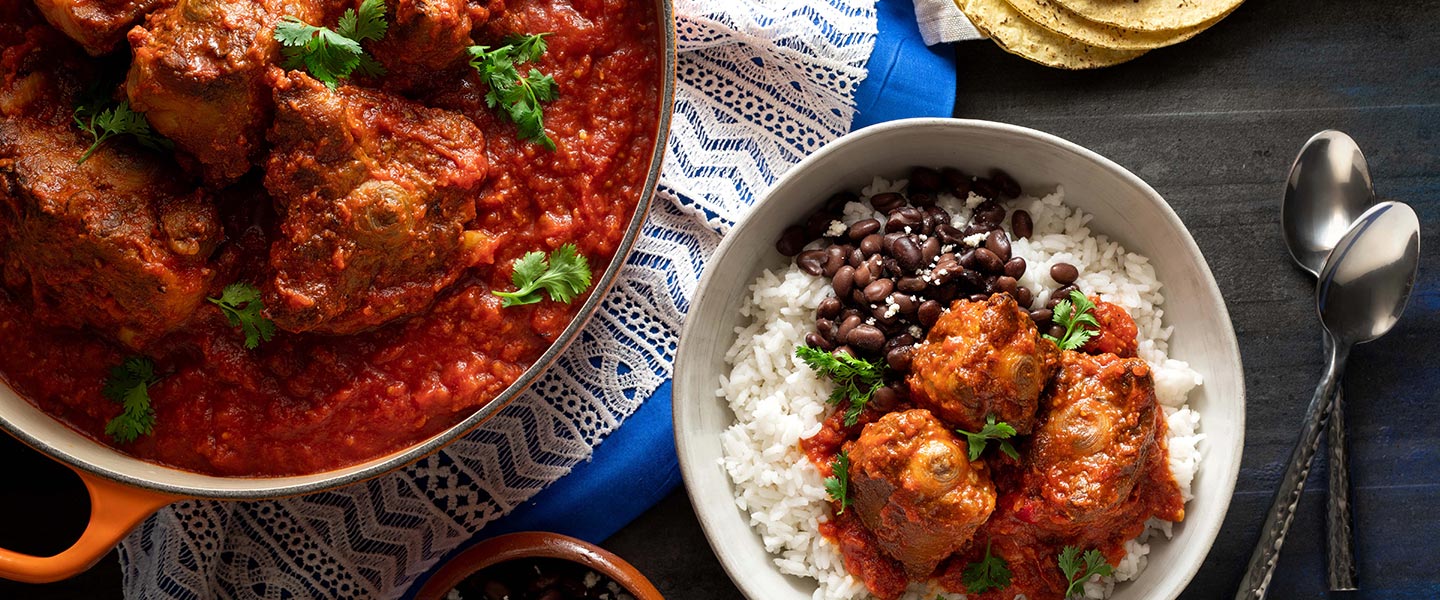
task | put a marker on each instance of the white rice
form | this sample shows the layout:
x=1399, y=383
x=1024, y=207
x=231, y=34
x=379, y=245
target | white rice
x=777, y=400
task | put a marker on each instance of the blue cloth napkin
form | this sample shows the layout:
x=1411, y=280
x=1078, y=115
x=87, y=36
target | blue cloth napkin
x=906, y=79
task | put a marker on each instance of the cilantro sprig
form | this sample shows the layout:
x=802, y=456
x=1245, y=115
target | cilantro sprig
x=330, y=55
x=991, y=573
x=1072, y=564
x=518, y=95
x=564, y=276
x=856, y=379
x=241, y=304
x=1074, y=314
x=1001, y=431
x=129, y=384
x=104, y=123
x=838, y=485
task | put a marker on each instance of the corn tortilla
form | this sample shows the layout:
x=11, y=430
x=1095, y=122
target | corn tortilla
x=1056, y=18
x=1022, y=37
x=1151, y=15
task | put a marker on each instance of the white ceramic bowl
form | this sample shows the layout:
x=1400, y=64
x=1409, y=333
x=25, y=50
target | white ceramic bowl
x=1125, y=208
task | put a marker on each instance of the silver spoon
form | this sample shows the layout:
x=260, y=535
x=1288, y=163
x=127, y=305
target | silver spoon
x=1362, y=292
x=1329, y=186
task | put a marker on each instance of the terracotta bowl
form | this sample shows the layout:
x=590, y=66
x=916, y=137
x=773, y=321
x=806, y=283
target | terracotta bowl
x=536, y=544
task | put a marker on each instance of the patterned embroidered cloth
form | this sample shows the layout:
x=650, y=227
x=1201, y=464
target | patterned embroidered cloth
x=762, y=83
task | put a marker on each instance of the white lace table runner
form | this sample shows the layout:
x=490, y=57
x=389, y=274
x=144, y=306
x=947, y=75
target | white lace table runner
x=762, y=83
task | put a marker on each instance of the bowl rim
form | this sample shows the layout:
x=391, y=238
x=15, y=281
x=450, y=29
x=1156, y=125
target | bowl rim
x=690, y=471
x=254, y=488
x=536, y=544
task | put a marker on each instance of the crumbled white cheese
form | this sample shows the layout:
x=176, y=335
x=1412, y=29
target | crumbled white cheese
x=973, y=200
x=454, y=595
x=836, y=228
x=591, y=580
x=975, y=240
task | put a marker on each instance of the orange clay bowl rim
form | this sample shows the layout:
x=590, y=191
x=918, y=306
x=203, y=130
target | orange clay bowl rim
x=29, y=425
x=536, y=544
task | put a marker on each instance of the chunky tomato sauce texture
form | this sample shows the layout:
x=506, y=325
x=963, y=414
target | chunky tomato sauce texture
x=306, y=403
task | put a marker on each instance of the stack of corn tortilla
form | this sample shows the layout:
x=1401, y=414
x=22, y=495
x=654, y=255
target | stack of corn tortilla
x=1087, y=34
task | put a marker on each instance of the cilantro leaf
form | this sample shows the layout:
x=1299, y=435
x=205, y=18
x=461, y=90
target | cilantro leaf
x=838, y=486
x=518, y=95
x=105, y=123
x=241, y=304
x=565, y=275
x=1072, y=564
x=991, y=431
x=991, y=573
x=330, y=55
x=129, y=384
x=856, y=379
x=1074, y=314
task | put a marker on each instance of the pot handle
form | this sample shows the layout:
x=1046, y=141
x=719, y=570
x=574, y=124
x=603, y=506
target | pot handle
x=115, y=509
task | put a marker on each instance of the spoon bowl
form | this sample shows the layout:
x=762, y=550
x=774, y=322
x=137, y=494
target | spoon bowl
x=1328, y=188
x=1366, y=282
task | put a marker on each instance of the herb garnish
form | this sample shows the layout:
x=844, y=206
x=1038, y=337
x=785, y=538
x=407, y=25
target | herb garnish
x=991, y=431
x=991, y=573
x=1073, y=314
x=334, y=54
x=129, y=384
x=838, y=486
x=565, y=276
x=856, y=379
x=518, y=95
x=1072, y=564
x=242, y=306
x=106, y=123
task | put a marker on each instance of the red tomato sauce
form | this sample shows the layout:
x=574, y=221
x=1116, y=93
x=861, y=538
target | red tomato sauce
x=309, y=403
x=1029, y=552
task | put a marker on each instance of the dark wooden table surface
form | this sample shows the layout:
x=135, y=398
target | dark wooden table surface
x=1213, y=125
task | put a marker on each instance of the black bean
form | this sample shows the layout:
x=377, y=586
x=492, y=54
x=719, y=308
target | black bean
x=927, y=223
x=891, y=267
x=899, y=358
x=967, y=259
x=884, y=399
x=857, y=296
x=948, y=234
x=1021, y=224
x=827, y=328
x=1056, y=331
x=958, y=182
x=925, y=179
x=928, y=312
x=834, y=259
x=863, y=276
x=854, y=256
x=944, y=294
x=791, y=241
x=812, y=262
x=888, y=242
x=1023, y=296
x=877, y=290
x=842, y=333
x=910, y=284
x=843, y=281
x=849, y=311
x=843, y=351
x=907, y=254
x=991, y=287
x=816, y=225
x=938, y=214
x=836, y=204
x=929, y=250
x=829, y=308
x=1005, y=184
x=902, y=339
x=922, y=199
x=973, y=280
x=867, y=338
x=1064, y=292
x=979, y=297
x=1043, y=314
x=1064, y=273
x=999, y=243
x=983, y=187
x=975, y=228
x=1007, y=284
x=905, y=302
x=988, y=213
x=887, y=201
x=871, y=244
x=860, y=229
x=815, y=340
x=882, y=316
x=988, y=261
x=1015, y=267
x=903, y=217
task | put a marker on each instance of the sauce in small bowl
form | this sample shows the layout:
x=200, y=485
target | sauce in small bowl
x=537, y=566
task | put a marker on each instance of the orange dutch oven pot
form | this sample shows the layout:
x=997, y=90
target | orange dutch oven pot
x=125, y=490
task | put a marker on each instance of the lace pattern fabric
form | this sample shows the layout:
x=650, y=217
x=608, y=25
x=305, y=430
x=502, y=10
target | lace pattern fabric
x=761, y=85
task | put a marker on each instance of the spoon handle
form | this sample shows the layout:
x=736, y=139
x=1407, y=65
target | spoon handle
x=1340, y=538
x=1282, y=510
